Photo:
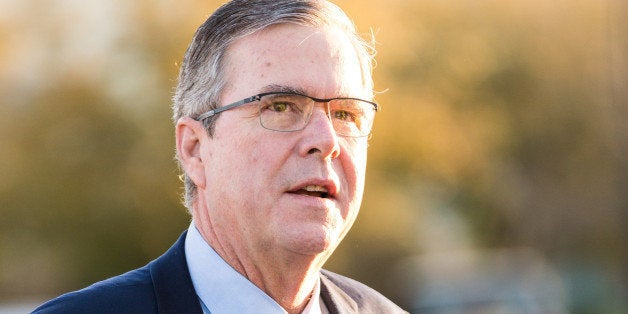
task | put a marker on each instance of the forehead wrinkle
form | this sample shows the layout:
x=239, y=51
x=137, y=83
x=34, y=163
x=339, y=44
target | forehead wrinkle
x=308, y=37
x=339, y=56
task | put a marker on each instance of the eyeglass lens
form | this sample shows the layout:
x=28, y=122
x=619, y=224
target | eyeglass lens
x=291, y=112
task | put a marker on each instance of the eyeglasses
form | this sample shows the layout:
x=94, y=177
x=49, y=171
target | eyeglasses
x=289, y=112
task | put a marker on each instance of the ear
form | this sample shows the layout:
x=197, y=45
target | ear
x=189, y=136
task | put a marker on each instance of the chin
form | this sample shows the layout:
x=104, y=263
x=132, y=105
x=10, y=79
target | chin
x=315, y=242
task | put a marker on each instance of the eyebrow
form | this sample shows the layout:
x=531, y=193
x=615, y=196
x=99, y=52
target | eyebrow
x=278, y=88
x=282, y=89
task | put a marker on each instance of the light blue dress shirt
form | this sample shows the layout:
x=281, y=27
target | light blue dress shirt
x=221, y=289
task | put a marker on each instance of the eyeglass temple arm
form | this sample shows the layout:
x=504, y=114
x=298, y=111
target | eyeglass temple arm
x=227, y=107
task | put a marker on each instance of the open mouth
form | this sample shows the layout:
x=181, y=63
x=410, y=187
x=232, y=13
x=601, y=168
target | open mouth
x=313, y=190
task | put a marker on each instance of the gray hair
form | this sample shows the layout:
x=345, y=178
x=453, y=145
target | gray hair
x=201, y=77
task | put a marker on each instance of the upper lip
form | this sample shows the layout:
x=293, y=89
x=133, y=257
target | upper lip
x=327, y=186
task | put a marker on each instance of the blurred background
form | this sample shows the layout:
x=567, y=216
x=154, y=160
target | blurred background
x=497, y=178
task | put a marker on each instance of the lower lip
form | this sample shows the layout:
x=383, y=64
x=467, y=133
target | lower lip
x=312, y=201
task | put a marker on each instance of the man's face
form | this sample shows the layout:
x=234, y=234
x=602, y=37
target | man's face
x=257, y=178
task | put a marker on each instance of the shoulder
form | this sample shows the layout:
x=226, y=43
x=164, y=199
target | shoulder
x=131, y=292
x=164, y=284
x=367, y=298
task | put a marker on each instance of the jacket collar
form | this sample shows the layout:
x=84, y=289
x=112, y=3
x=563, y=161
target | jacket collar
x=336, y=300
x=171, y=278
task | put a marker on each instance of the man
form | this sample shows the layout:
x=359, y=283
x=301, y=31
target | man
x=272, y=115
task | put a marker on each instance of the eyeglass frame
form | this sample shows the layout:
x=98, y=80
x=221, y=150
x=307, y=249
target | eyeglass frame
x=258, y=97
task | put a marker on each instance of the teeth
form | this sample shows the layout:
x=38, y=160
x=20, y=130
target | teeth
x=315, y=188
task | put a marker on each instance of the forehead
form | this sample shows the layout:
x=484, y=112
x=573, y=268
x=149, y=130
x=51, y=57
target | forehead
x=322, y=62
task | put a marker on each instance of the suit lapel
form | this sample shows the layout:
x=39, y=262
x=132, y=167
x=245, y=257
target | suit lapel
x=336, y=300
x=171, y=278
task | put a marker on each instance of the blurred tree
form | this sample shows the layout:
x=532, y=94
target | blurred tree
x=503, y=125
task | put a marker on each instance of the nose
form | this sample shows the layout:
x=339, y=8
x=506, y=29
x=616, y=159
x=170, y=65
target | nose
x=319, y=136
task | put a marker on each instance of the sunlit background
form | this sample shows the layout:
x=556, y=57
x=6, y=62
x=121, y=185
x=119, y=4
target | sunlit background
x=497, y=180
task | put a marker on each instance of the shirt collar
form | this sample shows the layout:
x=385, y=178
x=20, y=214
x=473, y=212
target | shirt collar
x=316, y=304
x=223, y=290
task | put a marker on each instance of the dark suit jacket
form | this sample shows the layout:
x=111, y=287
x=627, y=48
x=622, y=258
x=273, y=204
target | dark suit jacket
x=165, y=286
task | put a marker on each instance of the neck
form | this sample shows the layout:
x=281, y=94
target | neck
x=292, y=289
x=287, y=277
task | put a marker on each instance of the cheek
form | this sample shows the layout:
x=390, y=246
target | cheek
x=258, y=155
x=354, y=169
x=261, y=163
x=355, y=162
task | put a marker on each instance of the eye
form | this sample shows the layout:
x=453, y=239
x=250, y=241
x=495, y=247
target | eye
x=279, y=106
x=344, y=115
